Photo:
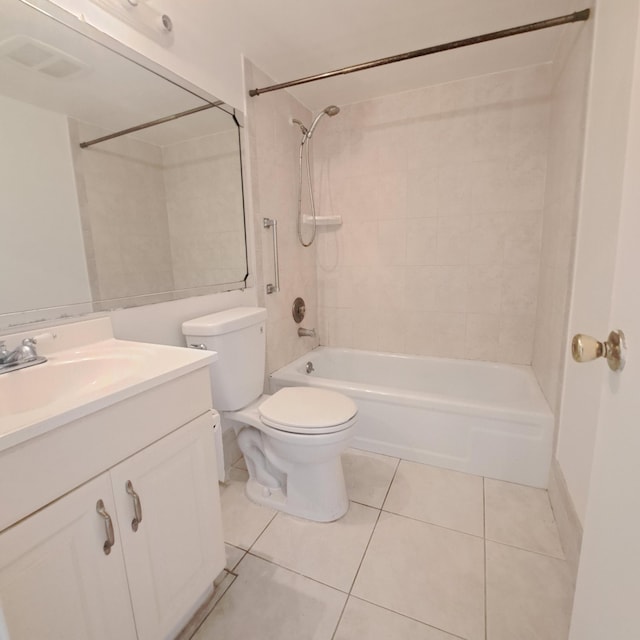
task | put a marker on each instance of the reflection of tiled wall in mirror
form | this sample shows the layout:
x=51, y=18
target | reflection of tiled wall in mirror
x=204, y=194
x=159, y=219
x=124, y=216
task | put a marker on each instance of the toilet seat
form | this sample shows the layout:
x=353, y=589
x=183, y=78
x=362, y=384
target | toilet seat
x=308, y=411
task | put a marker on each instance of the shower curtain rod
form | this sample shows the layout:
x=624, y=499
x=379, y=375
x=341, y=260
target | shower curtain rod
x=577, y=16
x=152, y=123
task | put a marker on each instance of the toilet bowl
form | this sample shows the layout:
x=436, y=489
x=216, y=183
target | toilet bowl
x=291, y=440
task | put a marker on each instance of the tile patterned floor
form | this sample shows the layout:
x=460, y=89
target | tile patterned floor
x=423, y=554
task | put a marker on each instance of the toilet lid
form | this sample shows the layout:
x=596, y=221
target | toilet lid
x=307, y=409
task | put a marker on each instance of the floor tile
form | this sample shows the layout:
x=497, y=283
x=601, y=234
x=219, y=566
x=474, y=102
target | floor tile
x=234, y=555
x=522, y=517
x=426, y=572
x=326, y=551
x=266, y=602
x=529, y=595
x=368, y=476
x=242, y=520
x=438, y=496
x=364, y=621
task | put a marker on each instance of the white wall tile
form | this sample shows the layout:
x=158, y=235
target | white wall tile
x=565, y=123
x=441, y=192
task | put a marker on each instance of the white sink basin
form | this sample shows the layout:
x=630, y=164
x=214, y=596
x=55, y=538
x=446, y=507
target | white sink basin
x=43, y=384
x=84, y=379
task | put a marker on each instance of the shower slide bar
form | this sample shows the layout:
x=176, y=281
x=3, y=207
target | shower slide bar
x=577, y=16
x=271, y=223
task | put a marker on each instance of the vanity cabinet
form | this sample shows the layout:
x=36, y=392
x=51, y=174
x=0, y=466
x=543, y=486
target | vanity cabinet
x=58, y=583
x=177, y=549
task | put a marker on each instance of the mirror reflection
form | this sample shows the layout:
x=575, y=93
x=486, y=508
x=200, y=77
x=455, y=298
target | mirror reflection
x=150, y=216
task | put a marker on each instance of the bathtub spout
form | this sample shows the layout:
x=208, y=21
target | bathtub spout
x=306, y=333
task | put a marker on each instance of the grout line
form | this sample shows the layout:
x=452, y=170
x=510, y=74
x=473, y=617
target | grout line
x=212, y=607
x=263, y=530
x=433, y=524
x=393, y=477
x=346, y=600
x=364, y=504
x=403, y=615
x=244, y=553
x=355, y=577
x=538, y=553
x=302, y=575
x=484, y=546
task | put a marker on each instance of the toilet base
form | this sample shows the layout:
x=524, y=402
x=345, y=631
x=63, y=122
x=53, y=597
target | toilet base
x=275, y=499
x=299, y=474
x=288, y=476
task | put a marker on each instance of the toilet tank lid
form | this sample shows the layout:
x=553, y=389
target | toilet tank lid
x=226, y=321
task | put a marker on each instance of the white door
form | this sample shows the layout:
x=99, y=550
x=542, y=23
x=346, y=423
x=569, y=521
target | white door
x=56, y=582
x=177, y=549
x=607, y=601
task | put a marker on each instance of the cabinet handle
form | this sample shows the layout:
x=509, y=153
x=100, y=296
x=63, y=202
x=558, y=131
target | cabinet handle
x=137, y=506
x=108, y=525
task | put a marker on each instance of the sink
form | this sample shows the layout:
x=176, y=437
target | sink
x=85, y=373
x=59, y=380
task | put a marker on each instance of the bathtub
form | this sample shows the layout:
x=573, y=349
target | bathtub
x=478, y=417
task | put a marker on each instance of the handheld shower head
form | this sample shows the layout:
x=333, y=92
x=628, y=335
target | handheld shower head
x=331, y=111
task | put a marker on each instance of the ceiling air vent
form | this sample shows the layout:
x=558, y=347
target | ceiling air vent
x=41, y=57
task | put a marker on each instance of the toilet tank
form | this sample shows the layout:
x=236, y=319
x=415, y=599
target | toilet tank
x=238, y=336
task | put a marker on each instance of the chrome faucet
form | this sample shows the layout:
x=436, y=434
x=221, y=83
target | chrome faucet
x=306, y=333
x=24, y=355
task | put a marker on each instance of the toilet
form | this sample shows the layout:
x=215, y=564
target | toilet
x=291, y=440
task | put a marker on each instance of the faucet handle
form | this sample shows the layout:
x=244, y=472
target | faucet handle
x=29, y=342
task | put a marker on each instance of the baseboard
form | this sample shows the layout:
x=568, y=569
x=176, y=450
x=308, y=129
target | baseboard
x=569, y=525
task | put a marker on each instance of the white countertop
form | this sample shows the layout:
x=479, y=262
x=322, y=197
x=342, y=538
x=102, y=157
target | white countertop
x=83, y=379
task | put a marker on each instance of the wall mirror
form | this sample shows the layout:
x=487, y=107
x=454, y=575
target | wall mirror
x=150, y=216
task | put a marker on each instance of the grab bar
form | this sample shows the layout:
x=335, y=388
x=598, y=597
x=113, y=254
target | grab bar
x=273, y=224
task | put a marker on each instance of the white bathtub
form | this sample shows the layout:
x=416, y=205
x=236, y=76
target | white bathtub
x=478, y=417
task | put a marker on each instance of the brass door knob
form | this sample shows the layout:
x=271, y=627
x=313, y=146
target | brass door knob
x=585, y=348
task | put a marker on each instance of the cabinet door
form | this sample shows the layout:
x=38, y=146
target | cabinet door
x=56, y=582
x=177, y=549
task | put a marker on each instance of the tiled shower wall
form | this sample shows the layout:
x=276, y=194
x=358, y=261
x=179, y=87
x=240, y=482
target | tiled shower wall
x=273, y=166
x=441, y=192
x=567, y=122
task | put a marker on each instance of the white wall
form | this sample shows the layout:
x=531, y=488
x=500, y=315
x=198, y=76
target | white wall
x=605, y=147
x=42, y=221
x=204, y=49
x=162, y=323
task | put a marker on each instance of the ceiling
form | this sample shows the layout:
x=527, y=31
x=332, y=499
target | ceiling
x=289, y=39
x=46, y=64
